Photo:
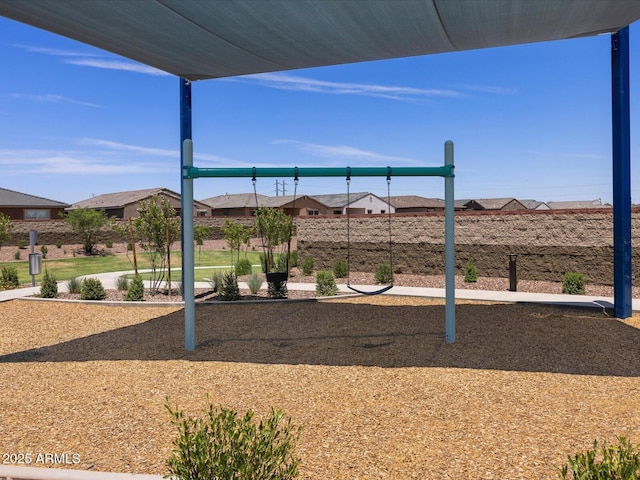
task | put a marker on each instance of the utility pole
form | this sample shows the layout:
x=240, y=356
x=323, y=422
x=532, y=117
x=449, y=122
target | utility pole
x=284, y=187
x=277, y=188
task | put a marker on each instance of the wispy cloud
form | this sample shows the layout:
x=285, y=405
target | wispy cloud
x=285, y=81
x=95, y=60
x=340, y=153
x=492, y=89
x=51, y=98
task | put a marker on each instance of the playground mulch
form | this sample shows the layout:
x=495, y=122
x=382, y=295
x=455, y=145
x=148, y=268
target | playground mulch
x=372, y=381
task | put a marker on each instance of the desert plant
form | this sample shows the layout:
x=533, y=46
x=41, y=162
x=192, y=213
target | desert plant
x=573, y=283
x=22, y=244
x=216, y=281
x=229, y=289
x=44, y=250
x=87, y=222
x=122, y=283
x=293, y=259
x=221, y=444
x=243, y=267
x=340, y=268
x=254, y=282
x=9, y=278
x=307, y=266
x=325, y=283
x=108, y=243
x=49, y=285
x=608, y=462
x=58, y=244
x=383, y=273
x=74, y=285
x=92, y=289
x=135, y=293
x=470, y=272
x=5, y=228
x=16, y=256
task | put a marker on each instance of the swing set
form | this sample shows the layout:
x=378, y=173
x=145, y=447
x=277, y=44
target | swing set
x=190, y=172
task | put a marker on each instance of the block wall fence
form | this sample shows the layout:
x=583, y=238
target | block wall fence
x=548, y=243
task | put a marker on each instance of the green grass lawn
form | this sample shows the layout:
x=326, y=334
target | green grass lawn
x=65, y=269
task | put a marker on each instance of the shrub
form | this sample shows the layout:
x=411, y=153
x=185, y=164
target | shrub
x=74, y=285
x=92, y=289
x=294, y=258
x=383, y=273
x=243, y=267
x=224, y=445
x=216, y=282
x=44, y=251
x=307, y=266
x=49, y=285
x=573, y=283
x=108, y=243
x=58, y=244
x=22, y=244
x=9, y=278
x=229, y=289
x=277, y=289
x=254, y=283
x=135, y=293
x=122, y=283
x=340, y=268
x=470, y=272
x=617, y=462
x=325, y=283
x=16, y=255
x=281, y=263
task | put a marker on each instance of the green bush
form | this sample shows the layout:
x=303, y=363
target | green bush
x=573, y=283
x=122, y=283
x=470, y=272
x=16, y=256
x=307, y=266
x=92, y=289
x=49, y=285
x=9, y=278
x=108, y=243
x=614, y=462
x=340, y=268
x=243, y=267
x=281, y=263
x=325, y=283
x=254, y=282
x=44, y=251
x=294, y=258
x=135, y=292
x=58, y=244
x=22, y=244
x=74, y=285
x=277, y=289
x=383, y=273
x=229, y=289
x=223, y=445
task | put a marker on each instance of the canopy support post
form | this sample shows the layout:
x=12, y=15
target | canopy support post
x=186, y=214
x=621, y=119
x=449, y=249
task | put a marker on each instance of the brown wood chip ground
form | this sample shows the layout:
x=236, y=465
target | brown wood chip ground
x=378, y=391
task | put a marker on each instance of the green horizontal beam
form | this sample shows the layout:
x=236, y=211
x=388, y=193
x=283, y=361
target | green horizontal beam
x=195, y=172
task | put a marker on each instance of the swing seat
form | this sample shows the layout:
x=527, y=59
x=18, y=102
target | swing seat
x=277, y=277
x=375, y=292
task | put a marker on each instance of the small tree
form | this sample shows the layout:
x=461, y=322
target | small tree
x=236, y=236
x=87, y=222
x=200, y=233
x=157, y=227
x=5, y=229
x=274, y=226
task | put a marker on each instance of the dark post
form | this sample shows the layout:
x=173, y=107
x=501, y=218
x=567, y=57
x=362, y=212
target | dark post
x=513, y=274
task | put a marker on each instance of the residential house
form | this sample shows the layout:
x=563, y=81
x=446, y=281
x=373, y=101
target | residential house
x=126, y=204
x=22, y=206
x=535, y=205
x=235, y=205
x=417, y=204
x=492, y=204
x=362, y=202
x=303, y=205
x=577, y=205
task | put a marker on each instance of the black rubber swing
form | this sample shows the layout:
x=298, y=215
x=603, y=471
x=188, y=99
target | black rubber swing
x=277, y=277
x=387, y=287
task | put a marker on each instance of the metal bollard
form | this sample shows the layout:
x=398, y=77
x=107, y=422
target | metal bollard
x=513, y=278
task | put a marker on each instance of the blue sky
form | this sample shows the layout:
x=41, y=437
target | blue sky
x=530, y=121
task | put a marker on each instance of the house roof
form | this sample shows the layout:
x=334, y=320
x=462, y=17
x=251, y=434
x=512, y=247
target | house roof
x=532, y=204
x=339, y=200
x=235, y=200
x=415, y=201
x=492, y=203
x=122, y=199
x=11, y=198
x=577, y=204
x=200, y=39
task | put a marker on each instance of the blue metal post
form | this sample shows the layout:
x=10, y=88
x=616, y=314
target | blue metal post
x=621, y=174
x=186, y=215
x=449, y=249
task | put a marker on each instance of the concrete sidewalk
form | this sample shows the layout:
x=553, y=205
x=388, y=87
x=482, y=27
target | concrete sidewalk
x=109, y=281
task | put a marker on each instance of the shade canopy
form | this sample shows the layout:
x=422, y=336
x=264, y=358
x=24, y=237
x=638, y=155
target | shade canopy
x=200, y=39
